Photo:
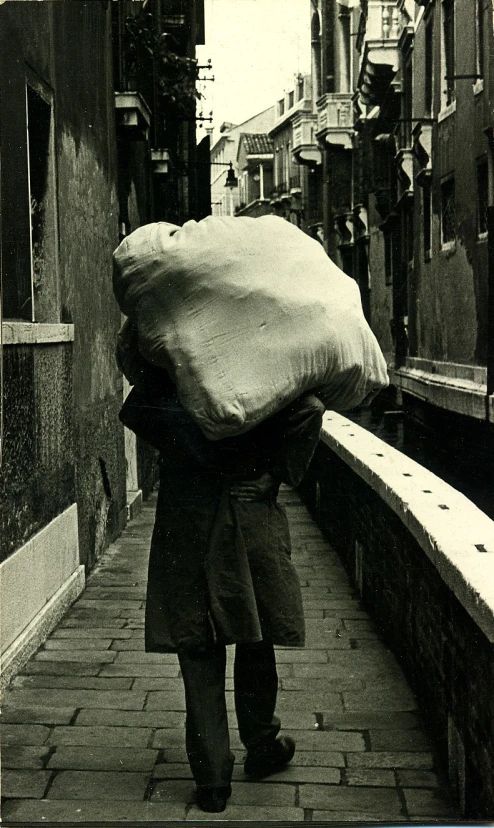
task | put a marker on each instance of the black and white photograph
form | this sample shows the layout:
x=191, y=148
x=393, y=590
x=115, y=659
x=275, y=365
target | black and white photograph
x=247, y=412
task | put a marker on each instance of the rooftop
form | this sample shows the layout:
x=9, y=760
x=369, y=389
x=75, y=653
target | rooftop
x=257, y=144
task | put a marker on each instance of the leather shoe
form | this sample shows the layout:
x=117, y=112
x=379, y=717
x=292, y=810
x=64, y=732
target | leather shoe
x=269, y=758
x=213, y=800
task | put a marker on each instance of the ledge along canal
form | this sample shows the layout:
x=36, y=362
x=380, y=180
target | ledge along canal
x=459, y=457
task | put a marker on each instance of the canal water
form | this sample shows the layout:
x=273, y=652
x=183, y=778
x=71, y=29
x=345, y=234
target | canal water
x=448, y=460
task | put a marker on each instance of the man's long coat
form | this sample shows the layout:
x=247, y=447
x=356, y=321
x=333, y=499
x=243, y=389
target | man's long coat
x=220, y=568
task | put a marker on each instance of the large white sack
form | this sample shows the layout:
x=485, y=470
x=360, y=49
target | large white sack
x=246, y=314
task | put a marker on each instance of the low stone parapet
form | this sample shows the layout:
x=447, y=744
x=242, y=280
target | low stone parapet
x=422, y=557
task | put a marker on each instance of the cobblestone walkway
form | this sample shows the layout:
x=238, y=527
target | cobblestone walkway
x=94, y=727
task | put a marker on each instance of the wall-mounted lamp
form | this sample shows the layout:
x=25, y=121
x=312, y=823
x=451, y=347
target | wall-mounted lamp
x=231, y=178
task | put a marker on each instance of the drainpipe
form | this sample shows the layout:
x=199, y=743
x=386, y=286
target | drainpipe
x=490, y=276
x=490, y=309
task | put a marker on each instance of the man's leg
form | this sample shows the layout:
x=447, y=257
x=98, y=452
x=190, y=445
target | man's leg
x=206, y=733
x=256, y=689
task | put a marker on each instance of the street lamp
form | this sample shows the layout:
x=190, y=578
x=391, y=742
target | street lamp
x=231, y=178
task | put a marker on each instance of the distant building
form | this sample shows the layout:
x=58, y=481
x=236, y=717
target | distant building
x=423, y=152
x=255, y=174
x=224, y=151
x=297, y=159
x=403, y=92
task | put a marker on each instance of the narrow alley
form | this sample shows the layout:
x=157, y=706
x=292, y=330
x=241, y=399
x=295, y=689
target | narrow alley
x=94, y=726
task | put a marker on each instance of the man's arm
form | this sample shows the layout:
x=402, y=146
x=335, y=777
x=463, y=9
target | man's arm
x=300, y=424
x=295, y=432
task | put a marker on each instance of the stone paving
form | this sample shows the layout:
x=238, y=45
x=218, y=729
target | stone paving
x=94, y=727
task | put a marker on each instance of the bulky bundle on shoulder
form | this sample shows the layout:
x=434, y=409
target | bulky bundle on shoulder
x=246, y=315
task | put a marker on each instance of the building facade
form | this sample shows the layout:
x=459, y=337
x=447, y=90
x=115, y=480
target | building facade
x=79, y=145
x=403, y=96
x=297, y=166
x=255, y=174
x=226, y=200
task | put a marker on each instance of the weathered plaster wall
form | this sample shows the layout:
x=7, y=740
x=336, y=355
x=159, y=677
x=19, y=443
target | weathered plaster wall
x=448, y=295
x=381, y=294
x=37, y=479
x=136, y=208
x=86, y=162
x=63, y=440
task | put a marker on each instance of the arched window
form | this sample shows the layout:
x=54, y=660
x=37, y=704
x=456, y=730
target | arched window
x=316, y=52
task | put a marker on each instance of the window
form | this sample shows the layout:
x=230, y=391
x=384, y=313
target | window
x=291, y=100
x=344, y=20
x=281, y=107
x=42, y=204
x=429, y=69
x=278, y=168
x=448, y=212
x=38, y=119
x=406, y=134
x=288, y=160
x=479, y=39
x=427, y=220
x=410, y=237
x=300, y=89
x=30, y=287
x=448, y=52
x=316, y=53
x=482, y=197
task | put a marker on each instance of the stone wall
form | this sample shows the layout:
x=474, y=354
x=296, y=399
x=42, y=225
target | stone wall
x=422, y=556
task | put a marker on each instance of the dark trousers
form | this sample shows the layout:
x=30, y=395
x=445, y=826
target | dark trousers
x=255, y=690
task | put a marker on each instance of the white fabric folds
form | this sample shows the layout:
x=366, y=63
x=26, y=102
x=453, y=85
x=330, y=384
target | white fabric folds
x=246, y=315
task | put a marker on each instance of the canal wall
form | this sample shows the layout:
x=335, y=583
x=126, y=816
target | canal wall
x=422, y=557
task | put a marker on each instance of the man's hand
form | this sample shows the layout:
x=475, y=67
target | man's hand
x=262, y=488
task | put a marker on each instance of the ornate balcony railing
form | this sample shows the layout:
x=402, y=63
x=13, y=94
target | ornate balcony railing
x=133, y=113
x=295, y=184
x=304, y=144
x=334, y=119
x=283, y=188
x=381, y=26
x=422, y=146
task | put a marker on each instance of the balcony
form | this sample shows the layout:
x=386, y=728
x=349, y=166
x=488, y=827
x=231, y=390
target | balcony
x=295, y=185
x=160, y=161
x=294, y=103
x=133, y=114
x=422, y=147
x=283, y=189
x=405, y=164
x=381, y=25
x=304, y=146
x=275, y=199
x=345, y=228
x=335, y=119
x=360, y=223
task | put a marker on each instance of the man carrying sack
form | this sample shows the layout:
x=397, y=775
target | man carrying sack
x=220, y=571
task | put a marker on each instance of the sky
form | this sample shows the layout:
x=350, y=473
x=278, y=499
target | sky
x=256, y=48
